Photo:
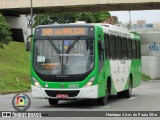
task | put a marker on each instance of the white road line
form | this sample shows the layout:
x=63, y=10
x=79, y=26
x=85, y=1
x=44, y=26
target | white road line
x=132, y=98
x=107, y=106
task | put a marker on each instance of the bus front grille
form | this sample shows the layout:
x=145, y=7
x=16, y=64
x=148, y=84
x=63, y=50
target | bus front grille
x=53, y=93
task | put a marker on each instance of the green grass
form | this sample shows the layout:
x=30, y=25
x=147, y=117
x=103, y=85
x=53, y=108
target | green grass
x=14, y=68
x=145, y=77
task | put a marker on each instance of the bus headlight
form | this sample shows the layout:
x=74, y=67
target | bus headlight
x=36, y=83
x=90, y=82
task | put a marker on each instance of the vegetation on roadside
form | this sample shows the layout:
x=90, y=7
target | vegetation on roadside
x=145, y=77
x=14, y=68
x=5, y=33
x=71, y=17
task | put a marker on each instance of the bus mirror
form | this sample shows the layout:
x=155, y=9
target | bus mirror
x=28, y=43
x=28, y=48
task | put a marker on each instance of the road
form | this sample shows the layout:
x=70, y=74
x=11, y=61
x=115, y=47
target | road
x=145, y=98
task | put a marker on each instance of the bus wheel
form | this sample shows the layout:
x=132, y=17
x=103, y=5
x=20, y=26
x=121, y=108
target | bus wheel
x=120, y=94
x=103, y=100
x=126, y=93
x=53, y=101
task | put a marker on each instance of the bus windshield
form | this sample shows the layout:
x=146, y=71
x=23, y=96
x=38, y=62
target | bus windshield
x=64, y=57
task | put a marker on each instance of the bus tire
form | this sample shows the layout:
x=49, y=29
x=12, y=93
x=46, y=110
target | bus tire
x=103, y=100
x=120, y=94
x=53, y=101
x=126, y=93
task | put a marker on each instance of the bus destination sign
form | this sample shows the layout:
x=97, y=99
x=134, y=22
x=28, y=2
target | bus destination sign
x=64, y=31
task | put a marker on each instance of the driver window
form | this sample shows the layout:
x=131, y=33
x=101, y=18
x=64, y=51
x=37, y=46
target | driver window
x=100, y=50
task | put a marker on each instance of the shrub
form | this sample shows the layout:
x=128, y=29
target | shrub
x=5, y=33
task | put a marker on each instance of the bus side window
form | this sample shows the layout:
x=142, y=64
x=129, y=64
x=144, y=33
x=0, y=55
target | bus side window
x=119, y=47
x=129, y=48
x=136, y=55
x=138, y=49
x=101, y=50
x=133, y=49
x=107, y=46
x=113, y=47
x=110, y=44
x=124, y=48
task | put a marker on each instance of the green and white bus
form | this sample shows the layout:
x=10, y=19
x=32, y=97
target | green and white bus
x=91, y=61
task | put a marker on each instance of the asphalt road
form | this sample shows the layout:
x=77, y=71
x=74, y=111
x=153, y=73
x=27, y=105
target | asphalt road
x=145, y=98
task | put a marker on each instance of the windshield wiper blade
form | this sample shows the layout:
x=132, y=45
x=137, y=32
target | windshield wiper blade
x=56, y=49
x=69, y=49
x=72, y=45
x=54, y=46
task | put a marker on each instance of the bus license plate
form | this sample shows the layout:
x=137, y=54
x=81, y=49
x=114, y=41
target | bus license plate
x=62, y=96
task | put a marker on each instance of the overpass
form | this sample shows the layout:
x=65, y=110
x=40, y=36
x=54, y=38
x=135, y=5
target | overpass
x=17, y=7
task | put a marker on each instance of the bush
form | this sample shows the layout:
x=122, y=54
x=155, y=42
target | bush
x=5, y=33
x=145, y=77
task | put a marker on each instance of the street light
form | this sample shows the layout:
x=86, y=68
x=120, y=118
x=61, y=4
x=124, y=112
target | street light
x=30, y=22
x=130, y=21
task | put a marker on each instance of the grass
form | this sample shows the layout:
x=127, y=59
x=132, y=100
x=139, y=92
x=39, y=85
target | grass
x=145, y=77
x=14, y=68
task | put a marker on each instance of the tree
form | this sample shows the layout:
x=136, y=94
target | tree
x=5, y=34
x=101, y=16
x=85, y=16
x=71, y=17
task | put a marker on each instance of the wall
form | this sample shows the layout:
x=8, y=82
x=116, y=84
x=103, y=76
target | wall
x=150, y=57
x=19, y=23
x=151, y=66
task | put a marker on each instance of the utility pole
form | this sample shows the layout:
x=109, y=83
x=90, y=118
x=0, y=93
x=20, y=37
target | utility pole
x=31, y=13
x=130, y=21
x=129, y=17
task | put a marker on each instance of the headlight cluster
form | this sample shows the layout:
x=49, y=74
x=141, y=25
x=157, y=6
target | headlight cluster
x=36, y=83
x=90, y=82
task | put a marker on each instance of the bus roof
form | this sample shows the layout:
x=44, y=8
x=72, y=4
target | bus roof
x=107, y=28
x=64, y=25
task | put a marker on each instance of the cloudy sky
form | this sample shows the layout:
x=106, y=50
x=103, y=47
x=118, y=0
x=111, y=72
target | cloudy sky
x=151, y=16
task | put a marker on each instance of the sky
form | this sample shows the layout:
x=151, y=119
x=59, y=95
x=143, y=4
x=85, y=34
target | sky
x=151, y=16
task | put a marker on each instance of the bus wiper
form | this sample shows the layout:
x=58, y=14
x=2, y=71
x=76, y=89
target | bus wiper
x=58, y=52
x=72, y=45
x=54, y=46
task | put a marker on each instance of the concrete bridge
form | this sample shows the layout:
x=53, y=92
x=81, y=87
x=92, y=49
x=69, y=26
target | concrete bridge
x=17, y=7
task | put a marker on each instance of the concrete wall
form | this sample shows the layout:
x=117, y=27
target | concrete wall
x=150, y=58
x=151, y=66
x=19, y=23
x=145, y=51
x=148, y=36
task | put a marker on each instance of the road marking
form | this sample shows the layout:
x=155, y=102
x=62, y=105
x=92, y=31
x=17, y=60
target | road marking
x=132, y=98
x=107, y=106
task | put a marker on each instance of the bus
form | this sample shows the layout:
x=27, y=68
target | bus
x=90, y=61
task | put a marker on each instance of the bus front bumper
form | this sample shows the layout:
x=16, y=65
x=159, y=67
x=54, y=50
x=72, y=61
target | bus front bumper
x=87, y=92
